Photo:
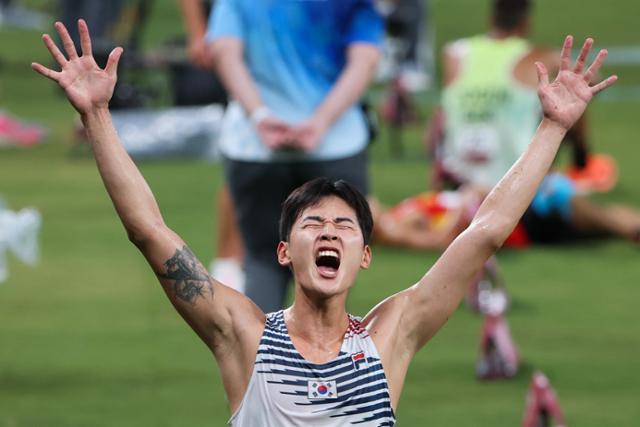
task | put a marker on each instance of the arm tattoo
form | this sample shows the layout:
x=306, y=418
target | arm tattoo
x=190, y=281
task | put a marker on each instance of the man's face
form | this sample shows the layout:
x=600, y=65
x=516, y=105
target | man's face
x=325, y=248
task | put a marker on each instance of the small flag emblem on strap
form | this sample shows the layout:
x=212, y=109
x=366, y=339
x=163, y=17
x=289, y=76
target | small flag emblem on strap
x=322, y=390
x=358, y=360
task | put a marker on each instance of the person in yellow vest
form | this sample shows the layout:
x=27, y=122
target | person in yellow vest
x=489, y=98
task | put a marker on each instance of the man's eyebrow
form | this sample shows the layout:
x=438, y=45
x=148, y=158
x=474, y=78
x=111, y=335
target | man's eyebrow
x=313, y=218
x=340, y=219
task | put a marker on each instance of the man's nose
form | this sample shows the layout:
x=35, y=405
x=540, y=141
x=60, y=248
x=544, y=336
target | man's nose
x=329, y=231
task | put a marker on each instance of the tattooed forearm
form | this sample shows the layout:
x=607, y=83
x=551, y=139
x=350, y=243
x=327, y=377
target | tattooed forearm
x=191, y=281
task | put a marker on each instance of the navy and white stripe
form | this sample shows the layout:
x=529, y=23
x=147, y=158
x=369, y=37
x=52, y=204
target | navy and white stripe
x=281, y=393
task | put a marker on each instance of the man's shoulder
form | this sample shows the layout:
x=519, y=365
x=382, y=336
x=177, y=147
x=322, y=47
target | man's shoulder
x=549, y=57
x=456, y=48
x=525, y=69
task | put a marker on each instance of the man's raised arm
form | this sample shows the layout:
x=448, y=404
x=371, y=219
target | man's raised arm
x=213, y=311
x=426, y=306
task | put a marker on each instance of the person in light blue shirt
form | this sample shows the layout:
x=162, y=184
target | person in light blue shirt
x=296, y=70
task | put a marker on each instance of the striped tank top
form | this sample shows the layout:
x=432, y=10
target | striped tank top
x=287, y=390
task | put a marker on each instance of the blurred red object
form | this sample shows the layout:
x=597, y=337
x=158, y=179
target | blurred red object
x=518, y=239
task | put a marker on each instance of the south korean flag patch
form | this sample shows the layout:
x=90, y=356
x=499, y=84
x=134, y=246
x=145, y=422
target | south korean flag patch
x=322, y=390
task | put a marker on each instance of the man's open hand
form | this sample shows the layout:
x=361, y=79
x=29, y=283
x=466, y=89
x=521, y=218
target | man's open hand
x=87, y=86
x=565, y=99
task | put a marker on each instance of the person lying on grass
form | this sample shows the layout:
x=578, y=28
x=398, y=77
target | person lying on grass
x=313, y=363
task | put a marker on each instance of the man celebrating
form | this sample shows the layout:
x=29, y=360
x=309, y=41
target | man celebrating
x=314, y=364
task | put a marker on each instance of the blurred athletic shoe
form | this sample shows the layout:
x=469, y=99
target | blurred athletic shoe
x=228, y=271
x=600, y=174
x=488, y=293
x=498, y=354
x=19, y=234
x=542, y=404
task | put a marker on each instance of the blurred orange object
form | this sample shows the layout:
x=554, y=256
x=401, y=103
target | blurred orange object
x=427, y=204
x=599, y=175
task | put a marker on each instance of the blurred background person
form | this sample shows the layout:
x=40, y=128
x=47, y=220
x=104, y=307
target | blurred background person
x=408, y=47
x=195, y=13
x=432, y=220
x=296, y=71
x=227, y=263
x=489, y=101
x=104, y=17
x=407, y=64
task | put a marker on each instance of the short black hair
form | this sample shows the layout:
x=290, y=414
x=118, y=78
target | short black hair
x=508, y=14
x=313, y=192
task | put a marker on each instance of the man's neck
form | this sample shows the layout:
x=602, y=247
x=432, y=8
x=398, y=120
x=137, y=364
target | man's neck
x=319, y=323
x=501, y=34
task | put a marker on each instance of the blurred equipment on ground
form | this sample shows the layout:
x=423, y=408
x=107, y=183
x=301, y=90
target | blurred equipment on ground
x=542, y=407
x=18, y=133
x=12, y=14
x=18, y=235
x=170, y=132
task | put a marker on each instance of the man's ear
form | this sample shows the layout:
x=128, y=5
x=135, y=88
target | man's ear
x=283, y=254
x=366, y=257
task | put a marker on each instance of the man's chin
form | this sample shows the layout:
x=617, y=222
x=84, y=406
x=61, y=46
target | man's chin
x=327, y=287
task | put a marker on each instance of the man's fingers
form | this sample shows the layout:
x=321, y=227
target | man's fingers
x=112, y=62
x=604, y=84
x=582, y=57
x=53, y=49
x=293, y=132
x=543, y=74
x=595, y=67
x=85, y=37
x=69, y=47
x=277, y=125
x=565, y=56
x=41, y=69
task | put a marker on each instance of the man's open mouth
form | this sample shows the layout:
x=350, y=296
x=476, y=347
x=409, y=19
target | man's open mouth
x=328, y=262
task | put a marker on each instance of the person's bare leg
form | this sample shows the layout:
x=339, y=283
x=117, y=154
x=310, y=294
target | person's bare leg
x=617, y=220
x=413, y=230
x=227, y=265
x=229, y=242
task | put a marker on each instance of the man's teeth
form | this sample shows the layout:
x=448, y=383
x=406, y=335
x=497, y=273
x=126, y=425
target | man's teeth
x=328, y=253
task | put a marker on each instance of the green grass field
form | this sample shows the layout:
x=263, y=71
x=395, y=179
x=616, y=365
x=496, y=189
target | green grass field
x=88, y=339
